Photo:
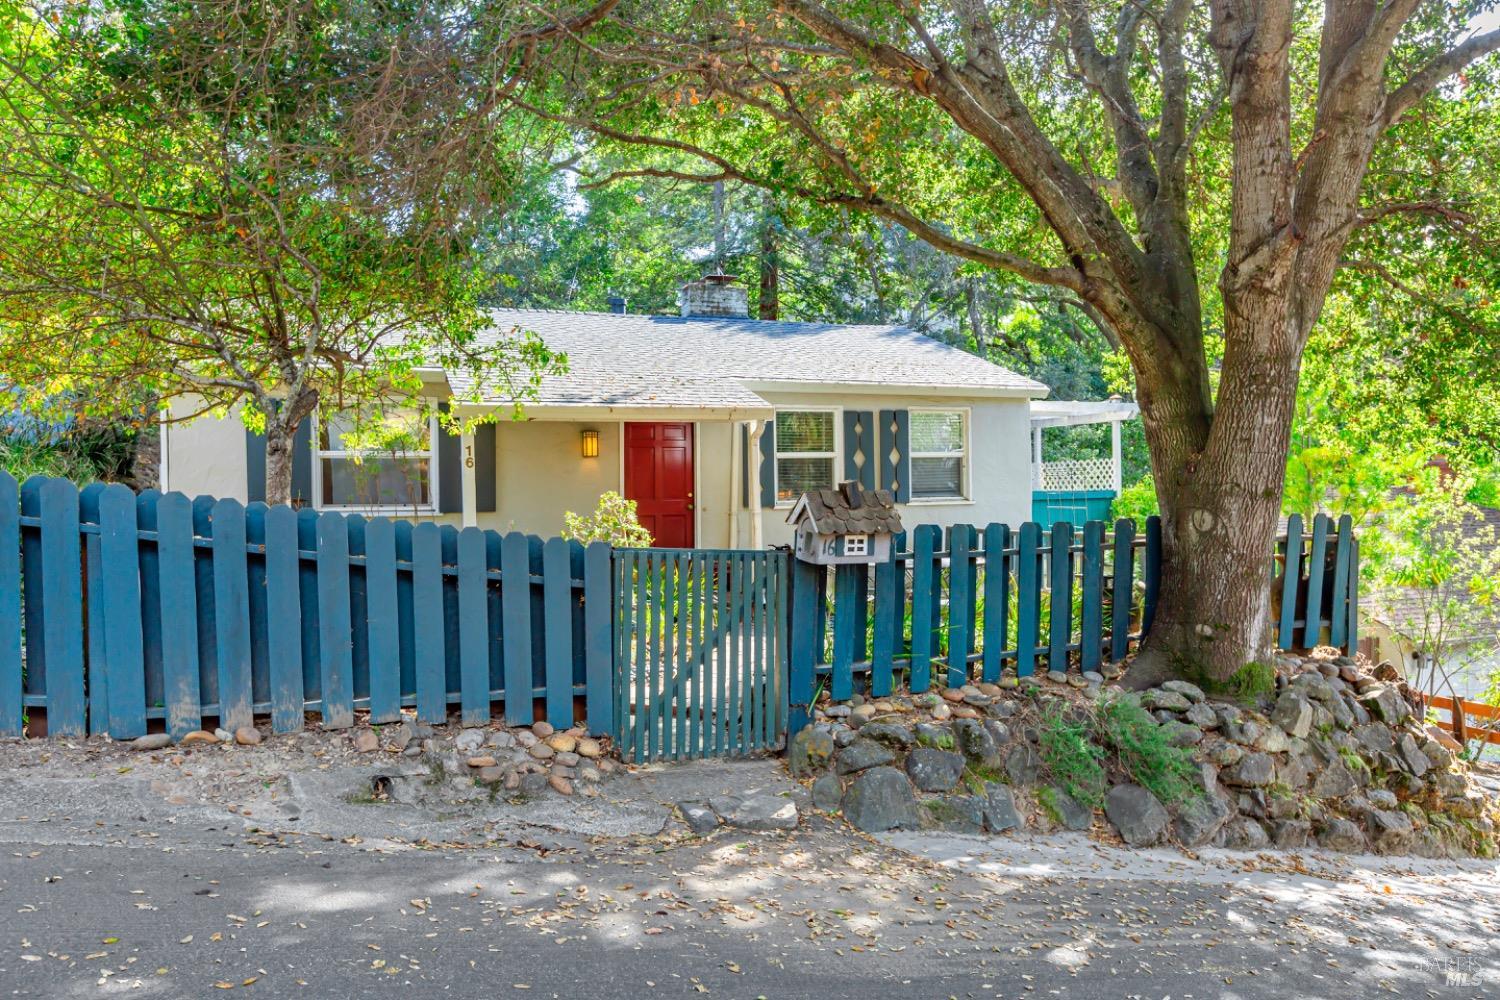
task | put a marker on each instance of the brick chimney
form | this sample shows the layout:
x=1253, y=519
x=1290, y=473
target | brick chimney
x=713, y=295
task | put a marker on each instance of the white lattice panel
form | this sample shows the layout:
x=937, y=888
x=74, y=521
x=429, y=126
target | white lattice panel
x=1079, y=474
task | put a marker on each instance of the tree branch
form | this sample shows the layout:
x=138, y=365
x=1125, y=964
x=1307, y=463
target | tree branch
x=1423, y=81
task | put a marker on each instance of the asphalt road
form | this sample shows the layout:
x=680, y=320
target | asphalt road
x=212, y=910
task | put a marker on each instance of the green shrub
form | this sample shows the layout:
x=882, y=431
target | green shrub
x=614, y=521
x=1145, y=751
x=1072, y=758
x=1137, y=501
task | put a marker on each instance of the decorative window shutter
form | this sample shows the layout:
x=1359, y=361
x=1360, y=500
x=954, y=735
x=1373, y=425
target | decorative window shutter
x=449, y=449
x=484, y=469
x=768, y=465
x=450, y=457
x=302, y=457
x=895, y=453
x=859, y=447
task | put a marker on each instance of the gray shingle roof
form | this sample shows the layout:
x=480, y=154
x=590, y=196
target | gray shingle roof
x=707, y=361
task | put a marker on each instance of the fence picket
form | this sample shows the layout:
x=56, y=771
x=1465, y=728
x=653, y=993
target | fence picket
x=996, y=599
x=515, y=603
x=1290, y=580
x=882, y=652
x=149, y=570
x=557, y=595
x=1028, y=597
x=473, y=629
x=1338, y=613
x=1317, y=559
x=429, y=631
x=1090, y=625
x=960, y=603
x=96, y=686
x=841, y=684
x=1122, y=591
x=1351, y=609
x=335, y=626
x=1060, y=624
x=923, y=587
x=598, y=663
x=124, y=653
x=260, y=620
x=232, y=615
x=383, y=621
x=284, y=614
x=12, y=703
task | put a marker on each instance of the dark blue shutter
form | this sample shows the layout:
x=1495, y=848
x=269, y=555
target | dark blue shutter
x=450, y=457
x=859, y=442
x=895, y=439
x=768, y=465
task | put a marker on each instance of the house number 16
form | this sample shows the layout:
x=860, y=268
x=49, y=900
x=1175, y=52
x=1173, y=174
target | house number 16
x=468, y=456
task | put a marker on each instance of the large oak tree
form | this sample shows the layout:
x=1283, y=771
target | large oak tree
x=1189, y=172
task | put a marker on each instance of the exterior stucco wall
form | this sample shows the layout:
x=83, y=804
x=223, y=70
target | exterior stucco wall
x=999, y=457
x=206, y=455
x=540, y=471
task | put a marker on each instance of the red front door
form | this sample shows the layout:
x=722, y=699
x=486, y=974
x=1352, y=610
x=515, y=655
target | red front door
x=659, y=478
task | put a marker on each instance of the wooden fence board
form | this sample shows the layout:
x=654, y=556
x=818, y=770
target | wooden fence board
x=883, y=646
x=996, y=599
x=260, y=618
x=473, y=629
x=557, y=594
x=1060, y=628
x=284, y=613
x=1290, y=580
x=427, y=614
x=96, y=683
x=124, y=650
x=923, y=589
x=1151, y=572
x=841, y=684
x=383, y=621
x=335, y=625
x=232, y=615
x=1028, y=597
x=1122, y=590
x=150, y=610
x=1317, y=558
x=1338, y=612
x=960, y=603
x=1091, y=615
x=598, y=657
x=12, y=706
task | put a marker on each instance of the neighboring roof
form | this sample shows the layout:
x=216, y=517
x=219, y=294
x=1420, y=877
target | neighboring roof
x=1072, y=412
x=844, y=511
x=631, y=360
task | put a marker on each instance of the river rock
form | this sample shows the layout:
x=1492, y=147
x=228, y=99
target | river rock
x=1254, y=770
x=1293, y=713
x=151, y=741
x=1000, y=812
x=1137, y=814
x=880, y=798
x=862, y=755
x=934, y=770
x=826, y=792
x=1066, y=810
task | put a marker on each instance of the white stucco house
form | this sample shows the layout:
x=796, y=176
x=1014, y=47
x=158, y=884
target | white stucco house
x=713, y=422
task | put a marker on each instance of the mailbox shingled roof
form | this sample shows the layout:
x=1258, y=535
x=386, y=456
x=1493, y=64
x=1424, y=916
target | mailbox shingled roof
x=832, y=514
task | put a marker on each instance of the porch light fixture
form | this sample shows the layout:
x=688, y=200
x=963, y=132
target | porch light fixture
x=590, y=444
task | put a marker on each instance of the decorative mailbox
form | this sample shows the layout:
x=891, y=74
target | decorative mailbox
x=848, y=525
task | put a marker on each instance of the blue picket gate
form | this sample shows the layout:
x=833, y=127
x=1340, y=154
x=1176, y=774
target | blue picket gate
x=700, y=652
x=124, y=608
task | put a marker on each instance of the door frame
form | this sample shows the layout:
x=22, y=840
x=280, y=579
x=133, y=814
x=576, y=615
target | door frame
x=697, y=471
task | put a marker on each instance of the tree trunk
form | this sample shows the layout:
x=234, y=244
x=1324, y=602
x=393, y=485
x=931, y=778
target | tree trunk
x=281, y=432
x=1220, y=509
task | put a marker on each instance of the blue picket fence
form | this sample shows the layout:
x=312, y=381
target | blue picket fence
x=1068, y=600
x=123, y=608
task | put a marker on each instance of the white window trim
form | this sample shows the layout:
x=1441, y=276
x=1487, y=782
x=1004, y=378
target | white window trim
x=376, y=510
x=777, y=454
x=964, y=456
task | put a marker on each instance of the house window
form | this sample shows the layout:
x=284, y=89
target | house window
x=381, y=461
x=939, y=454
x=856, y=545
x=806, y=449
